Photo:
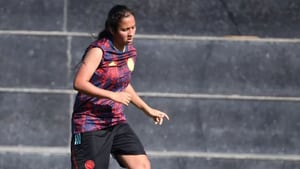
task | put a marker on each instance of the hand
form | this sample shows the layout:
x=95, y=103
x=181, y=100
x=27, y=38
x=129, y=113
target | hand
x=121, y=97
x=158, y=116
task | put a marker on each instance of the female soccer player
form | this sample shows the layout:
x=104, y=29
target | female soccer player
x=99, y=127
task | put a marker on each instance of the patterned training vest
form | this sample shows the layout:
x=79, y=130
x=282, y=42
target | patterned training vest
x=114, y=74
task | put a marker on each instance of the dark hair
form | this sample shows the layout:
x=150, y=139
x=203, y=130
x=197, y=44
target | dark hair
x=114, y=16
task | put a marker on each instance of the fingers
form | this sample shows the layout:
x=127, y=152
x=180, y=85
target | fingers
x=160, y=119
x=125, y=98
x=166, y=116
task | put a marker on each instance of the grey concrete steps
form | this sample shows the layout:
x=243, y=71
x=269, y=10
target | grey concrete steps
x=233, y=126
x=258, y=18
x=225, y=71
x=217, y=18
x=34, y=119
x=61, y=161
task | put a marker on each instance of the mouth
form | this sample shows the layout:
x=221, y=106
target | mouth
x=130, y=40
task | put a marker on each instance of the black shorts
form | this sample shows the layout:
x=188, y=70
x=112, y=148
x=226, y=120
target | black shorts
x=91, y=150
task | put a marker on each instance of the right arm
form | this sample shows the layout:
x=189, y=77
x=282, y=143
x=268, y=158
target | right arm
x=82, y=78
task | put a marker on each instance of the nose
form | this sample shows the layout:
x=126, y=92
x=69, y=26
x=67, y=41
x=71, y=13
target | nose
x=131, y=32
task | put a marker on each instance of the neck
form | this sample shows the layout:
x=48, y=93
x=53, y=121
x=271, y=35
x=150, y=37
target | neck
x=120, y=48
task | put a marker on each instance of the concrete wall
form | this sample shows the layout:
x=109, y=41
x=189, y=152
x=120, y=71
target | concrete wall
x=233, y=99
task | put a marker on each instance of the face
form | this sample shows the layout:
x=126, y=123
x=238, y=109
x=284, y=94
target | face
x=125, y=32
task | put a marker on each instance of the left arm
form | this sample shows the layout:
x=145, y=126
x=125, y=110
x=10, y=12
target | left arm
x=156, y=115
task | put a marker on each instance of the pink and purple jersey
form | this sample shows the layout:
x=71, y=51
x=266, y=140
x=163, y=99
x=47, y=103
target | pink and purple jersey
x=114, y=74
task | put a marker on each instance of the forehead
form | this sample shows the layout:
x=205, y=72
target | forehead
x=127, y=21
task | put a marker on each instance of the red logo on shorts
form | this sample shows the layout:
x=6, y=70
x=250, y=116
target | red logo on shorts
x=89, y=164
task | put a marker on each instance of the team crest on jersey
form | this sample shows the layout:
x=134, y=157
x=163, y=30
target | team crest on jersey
x=130, y=64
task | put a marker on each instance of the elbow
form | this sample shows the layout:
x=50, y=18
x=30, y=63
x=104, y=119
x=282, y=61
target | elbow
x=76, y=85
x=80, y=85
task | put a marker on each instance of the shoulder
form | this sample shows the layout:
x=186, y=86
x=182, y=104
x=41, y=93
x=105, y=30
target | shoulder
x=131, y=49
x=103, y=44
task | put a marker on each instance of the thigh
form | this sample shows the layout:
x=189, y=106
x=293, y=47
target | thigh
x=135, y=161
x=91, y=150
x=127, y=146
x=126, y=142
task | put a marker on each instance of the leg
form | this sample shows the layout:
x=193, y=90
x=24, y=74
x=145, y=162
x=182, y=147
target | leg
x=135, y=161
x=91, y=150
x=128, y=150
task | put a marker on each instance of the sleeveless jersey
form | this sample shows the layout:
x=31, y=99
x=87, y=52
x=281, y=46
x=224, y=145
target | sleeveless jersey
x=114, y=74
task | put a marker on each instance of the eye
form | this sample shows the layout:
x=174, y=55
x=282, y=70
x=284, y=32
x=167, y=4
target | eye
x=125, y=29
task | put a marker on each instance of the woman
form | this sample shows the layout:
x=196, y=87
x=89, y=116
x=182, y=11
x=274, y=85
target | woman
x=99, y=126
